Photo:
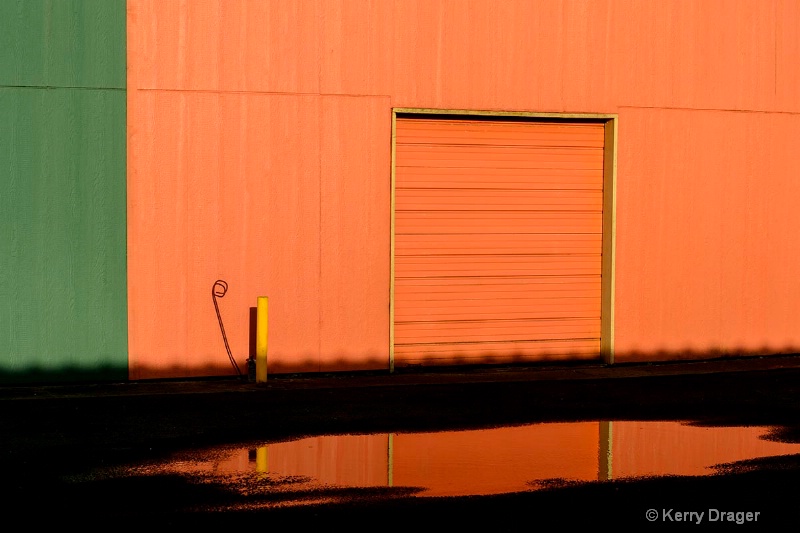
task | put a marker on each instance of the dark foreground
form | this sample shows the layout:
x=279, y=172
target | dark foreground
x=54, y=437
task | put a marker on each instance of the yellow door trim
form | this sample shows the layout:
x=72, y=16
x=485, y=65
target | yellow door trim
x=608, y=269
x=608, y=273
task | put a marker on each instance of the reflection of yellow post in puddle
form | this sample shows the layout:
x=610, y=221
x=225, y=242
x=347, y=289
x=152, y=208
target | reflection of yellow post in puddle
x=604, y=456
x=262, y=460
x=390, y=463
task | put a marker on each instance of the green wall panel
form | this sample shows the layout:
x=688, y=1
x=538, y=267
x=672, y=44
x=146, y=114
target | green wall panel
x=62, y=43
x=62, y=253
x=63, y=299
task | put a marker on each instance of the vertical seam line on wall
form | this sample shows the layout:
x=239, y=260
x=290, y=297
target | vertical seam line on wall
x=320, y=121
x=319, y=240
x=183, y=148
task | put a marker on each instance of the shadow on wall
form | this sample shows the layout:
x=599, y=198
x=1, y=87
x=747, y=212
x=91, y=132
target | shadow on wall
x=567, y=358
x=690, y=354
x=359, y=365
x=63, y=374
x=345, y=363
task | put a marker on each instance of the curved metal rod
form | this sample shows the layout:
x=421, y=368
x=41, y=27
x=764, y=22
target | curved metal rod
x=218, y=290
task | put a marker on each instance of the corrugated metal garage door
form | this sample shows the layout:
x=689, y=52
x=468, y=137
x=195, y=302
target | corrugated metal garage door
x=498, y=238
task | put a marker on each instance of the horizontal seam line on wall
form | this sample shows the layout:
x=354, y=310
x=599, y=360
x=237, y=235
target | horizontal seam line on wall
x=276, y=93
x=762, y=111
x=62, y=87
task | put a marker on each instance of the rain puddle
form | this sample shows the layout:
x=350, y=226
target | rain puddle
x=471, y=462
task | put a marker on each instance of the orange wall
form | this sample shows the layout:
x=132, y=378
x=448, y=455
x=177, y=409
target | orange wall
x=259, y=153
x=707, y=233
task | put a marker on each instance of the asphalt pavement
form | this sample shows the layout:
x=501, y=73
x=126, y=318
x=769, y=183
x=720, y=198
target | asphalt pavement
x=53, y=435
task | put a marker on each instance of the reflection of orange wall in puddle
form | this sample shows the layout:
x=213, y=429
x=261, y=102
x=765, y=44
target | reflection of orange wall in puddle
x=497, y=460
x=353, y=460
x=672, y=448
x=234, y=461
x=350, y=460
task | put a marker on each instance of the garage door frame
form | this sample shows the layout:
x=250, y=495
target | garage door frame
x=610, y=122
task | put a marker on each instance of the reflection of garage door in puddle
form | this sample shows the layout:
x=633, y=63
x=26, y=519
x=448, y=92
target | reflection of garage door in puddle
x=493, y=461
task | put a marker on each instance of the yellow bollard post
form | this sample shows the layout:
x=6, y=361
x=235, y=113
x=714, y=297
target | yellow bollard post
x=262, y=459
x=261, y=339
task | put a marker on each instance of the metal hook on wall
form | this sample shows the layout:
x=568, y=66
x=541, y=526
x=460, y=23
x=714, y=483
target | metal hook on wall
x=218, y=290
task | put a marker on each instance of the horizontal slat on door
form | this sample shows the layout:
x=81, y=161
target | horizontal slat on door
x=553, y=309
x=494, y=243
x=481, y=292
x=450, y=161
x=433, y=284
x=498, y=133
x=498, y=200
x=489, y=330
x=496, y=265
x=503, y=178
x=484, y=156
x=498, y=352
x=498, y=237
x=500, y=305
x=494, y=222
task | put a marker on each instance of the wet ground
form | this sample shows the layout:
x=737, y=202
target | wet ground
x=519, y=448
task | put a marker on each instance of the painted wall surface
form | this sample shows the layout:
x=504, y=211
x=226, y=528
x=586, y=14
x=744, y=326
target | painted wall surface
x=259, y=153
x=707, y=233
x=236, y=183
x=63, y=302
